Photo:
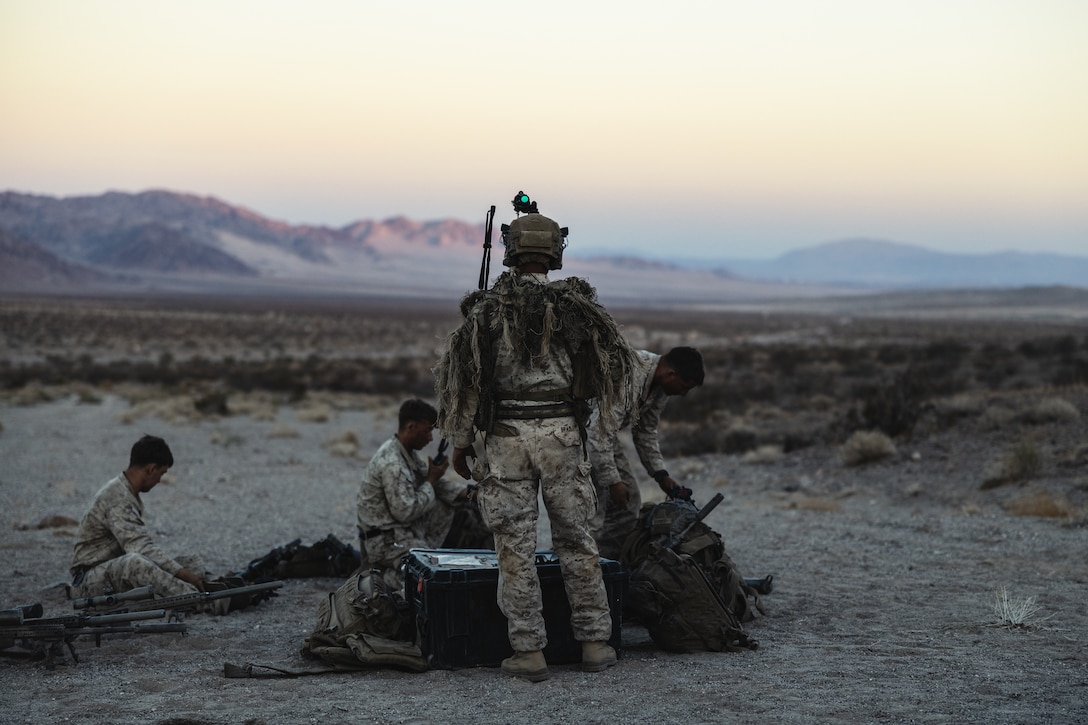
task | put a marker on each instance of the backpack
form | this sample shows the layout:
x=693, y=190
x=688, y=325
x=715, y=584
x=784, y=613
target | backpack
x=365, y=624
x=324, y=558
x=684, y=588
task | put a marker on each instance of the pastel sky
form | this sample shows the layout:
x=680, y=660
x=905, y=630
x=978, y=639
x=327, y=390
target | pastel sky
x=718, y=128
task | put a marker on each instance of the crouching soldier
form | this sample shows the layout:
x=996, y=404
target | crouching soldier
x=660, y=377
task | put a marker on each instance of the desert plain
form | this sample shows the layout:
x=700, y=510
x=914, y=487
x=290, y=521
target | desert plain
x=914, y=476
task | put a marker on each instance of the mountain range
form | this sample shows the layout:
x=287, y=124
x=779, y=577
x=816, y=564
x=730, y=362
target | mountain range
x=164, y=241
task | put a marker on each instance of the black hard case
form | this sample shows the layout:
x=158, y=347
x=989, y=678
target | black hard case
x=453, y=595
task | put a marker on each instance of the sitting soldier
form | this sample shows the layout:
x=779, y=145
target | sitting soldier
x=403, y=502
x=114, y=551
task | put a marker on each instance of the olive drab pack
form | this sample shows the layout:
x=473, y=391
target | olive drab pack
x=684, y=587
x=365, y=624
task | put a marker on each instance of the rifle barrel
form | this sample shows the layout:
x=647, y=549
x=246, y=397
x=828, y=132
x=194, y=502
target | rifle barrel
x=108, y=600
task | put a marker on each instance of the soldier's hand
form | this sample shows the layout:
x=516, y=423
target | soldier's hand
x=435, y=470
x=618, y=492
x=190, y=578
x=682, y=493
x=460, y=461
x=667, y=484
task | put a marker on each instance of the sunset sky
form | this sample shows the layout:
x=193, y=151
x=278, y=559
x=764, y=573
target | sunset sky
x=696, y=129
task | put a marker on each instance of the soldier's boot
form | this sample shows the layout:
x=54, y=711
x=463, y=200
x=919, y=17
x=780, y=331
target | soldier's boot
x=530, y=665
x=597, y=656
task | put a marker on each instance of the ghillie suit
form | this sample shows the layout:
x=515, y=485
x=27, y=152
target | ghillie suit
x=684, y=588
x=530, y=318
x=521, y=370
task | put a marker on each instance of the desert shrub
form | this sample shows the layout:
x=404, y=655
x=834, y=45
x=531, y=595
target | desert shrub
x=949, y=352
x=1050, y=410
x=892, y=354
x=225, y=438
x=786, y=359
x=994, y=364
x=867, y=447
x=1042, y=504
x=688, y=440
x=1016, y=613
x=1045, y=347
x=310, y=412
x=1073, y=371
x=958, y=406
x=345, y=445
x=283, y=431
x=891, y=407
x=764, y=454
x=738, y=438
x=1022, y=463
x=996, y=416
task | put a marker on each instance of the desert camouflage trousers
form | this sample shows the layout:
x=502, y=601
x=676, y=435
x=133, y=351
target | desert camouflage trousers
x=384, y=551
x=546, y=455
x=613, y=523
x=130, y=571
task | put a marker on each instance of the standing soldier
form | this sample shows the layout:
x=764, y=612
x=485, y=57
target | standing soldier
x=519, y=370
x=676, y=372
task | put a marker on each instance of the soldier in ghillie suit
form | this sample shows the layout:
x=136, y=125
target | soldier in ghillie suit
x=520, y=370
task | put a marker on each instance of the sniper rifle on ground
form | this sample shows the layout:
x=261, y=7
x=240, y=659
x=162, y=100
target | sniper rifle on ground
x=141, y=599
x=25, y=633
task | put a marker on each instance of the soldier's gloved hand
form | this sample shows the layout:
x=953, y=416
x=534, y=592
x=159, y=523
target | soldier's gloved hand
x=460, y=461
x=681, y=493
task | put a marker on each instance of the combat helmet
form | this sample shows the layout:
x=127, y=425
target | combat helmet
x=532, y=237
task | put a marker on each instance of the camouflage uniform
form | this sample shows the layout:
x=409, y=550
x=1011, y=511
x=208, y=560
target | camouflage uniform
x=398, y=510
x=613, y=523
x=523, y=454
x=114, y=551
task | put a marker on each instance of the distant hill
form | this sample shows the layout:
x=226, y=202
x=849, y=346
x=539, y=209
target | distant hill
x=889, y=265
x=24, y=266
x=162, y=241
x=172, y=242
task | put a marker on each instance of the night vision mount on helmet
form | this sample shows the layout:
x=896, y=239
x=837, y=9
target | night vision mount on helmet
x=529, y=238
x=533, y=237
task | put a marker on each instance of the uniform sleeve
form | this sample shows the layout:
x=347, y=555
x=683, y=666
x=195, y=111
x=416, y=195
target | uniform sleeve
x=602, y=450
x=461, y=430
x=406, y=499
x=644, y=434
x=127, y=526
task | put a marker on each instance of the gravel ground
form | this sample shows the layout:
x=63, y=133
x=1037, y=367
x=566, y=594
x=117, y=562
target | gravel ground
x=885, y=580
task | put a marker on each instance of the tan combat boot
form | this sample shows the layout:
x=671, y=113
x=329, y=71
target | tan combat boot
x=597, y=656
x=530, y=665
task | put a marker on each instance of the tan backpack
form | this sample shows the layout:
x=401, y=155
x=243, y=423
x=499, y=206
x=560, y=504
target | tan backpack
x=365, y=624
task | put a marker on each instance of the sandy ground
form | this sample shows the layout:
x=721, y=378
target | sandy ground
x=885, y=581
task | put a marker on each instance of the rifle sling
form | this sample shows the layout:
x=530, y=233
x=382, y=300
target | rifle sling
x=245, y=671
